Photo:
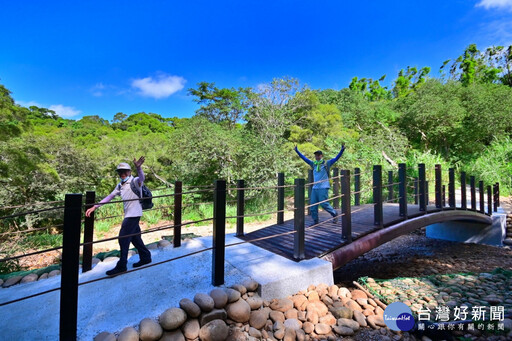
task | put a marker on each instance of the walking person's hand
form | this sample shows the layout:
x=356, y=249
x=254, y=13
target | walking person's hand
x=139, y=162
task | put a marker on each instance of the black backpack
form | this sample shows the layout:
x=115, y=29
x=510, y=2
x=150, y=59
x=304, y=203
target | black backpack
x=147, y=202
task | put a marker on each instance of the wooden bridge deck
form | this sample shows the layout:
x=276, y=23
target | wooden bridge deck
x=326, y=237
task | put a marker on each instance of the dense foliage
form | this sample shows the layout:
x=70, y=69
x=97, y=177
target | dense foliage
x=464, y=119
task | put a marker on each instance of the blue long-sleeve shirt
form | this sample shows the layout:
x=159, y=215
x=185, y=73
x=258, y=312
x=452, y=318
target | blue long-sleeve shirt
x=323, y=173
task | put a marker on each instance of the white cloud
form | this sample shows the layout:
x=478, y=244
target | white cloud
x=498, y=32
x=500, y=4
x=29, y=104
x=97, y=90
x=64, y=111
x=161, y=86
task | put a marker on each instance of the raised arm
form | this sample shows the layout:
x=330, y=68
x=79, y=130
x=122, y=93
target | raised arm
x=333, y=160
x=308, y=161
x=140, y=173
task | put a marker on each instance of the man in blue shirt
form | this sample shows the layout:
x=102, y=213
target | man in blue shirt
x=320, y=190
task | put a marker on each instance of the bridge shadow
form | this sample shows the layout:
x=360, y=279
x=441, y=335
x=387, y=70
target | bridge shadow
x=326, y=238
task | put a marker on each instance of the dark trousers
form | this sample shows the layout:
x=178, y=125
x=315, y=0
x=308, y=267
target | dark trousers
x=128, y=227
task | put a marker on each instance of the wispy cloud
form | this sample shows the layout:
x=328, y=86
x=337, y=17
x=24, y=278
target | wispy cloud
x=498, y=32
x=97, y=90
x=64, y=111
x=161, y=86
x=499, y=4
x=29, y=104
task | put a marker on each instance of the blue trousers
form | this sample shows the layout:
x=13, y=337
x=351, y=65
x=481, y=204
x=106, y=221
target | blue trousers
x=131, y=226
x=317, y=195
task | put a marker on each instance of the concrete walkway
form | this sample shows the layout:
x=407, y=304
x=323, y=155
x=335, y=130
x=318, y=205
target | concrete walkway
x=112, y=304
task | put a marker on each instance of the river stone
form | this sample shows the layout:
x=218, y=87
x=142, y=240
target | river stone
x=233, y=295
x=220, y=298
x=240, y=311
x=191, y=328
x=240, y=288
x=322, y=329
x=215, y=330
x=353, y=305
x=328, y=319
x=175, y=335
x=190, y=307
x=279, y=334
x=344, y=292
x=341, y=312
x=320, y=308
x=300, y=334
x=291, y=314
x=281, y=305
x=278, y=325
x=29, y=278
x=149, y=330
x=204, y=301
x=277, y=316
x=358, y=294
x=308, y=327
x=313, y=296
x=300, y=302
x=54, y=273
x=43, y=276
x=172, y=318
x=255, y=302
x=374, y=321
x=237, y=335
x=258, y=319
x=12, y=281
x=128, y=334
x=250, y=284
x=333, y=290
x=354, y=325
x=292, y=324
x=289, y=334
x=105, y=336
x=215, y=314
x=163, y=243
x=360, y=318
x=343, y=331
x=254, y=333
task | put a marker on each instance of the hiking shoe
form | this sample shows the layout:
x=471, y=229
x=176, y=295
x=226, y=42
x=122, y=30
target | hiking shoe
x=335, y=220
x=115, y=271
x=141, y=263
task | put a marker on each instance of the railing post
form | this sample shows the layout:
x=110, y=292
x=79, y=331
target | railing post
x=336, y=188
x=240, y=207
x=481, y=193
x=69, y=272
x=463, y=199
x=451, y=187
x=346, y=219
x=472, y=185
x=496, y=196
x=390, y=185
x=357, y=186
x=298, y=220
x=422, y=187
x=377, y=195
x=444, y=196
x=90, y=197
x=416, y=185
x=280, y=198
x=489, y=200
x=402, y=189
x=426, y=193
x=439, y=187
x=178, y=189
x=310, y=188
x=219, y=232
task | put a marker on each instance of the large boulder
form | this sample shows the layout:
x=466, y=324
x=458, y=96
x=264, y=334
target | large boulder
x=190, y=307
x=29, y=278
x=250, y=284
x=172, y=318
x=175, y=335
x=12, y=281
x=216, y=330
x=240, y=311
x=255, y=302
x=215, y=314
x=205, y=302
x=258, y=319
x=149, y=330
x=233, y=295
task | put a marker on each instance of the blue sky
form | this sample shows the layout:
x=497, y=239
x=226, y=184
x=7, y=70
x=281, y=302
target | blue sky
x=102, y=57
